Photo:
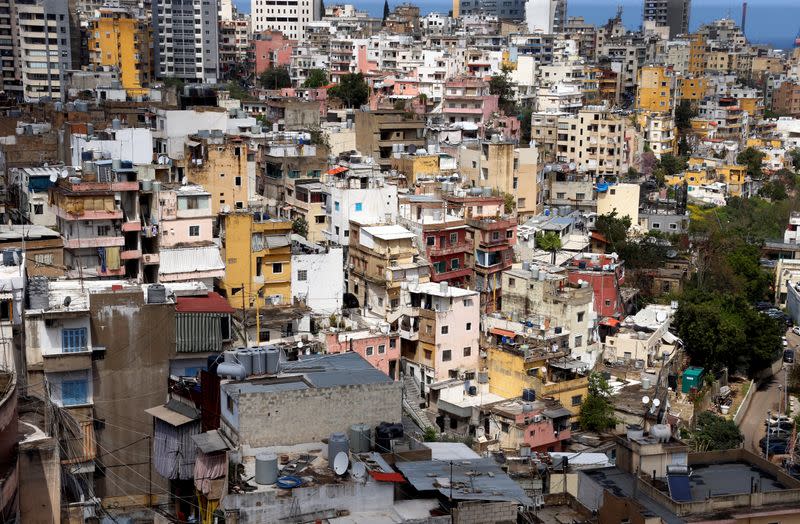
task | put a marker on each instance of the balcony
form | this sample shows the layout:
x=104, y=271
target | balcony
x=130, y=254
x=82, y=243
x=460, y=247
x=131, y=226
x=491, y=224
x=64, y=362
x=90, y=215
x=452, y=274
x=407, y=334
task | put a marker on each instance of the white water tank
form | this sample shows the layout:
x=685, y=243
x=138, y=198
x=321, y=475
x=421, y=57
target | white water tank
x=266, y=468
x=661, y=432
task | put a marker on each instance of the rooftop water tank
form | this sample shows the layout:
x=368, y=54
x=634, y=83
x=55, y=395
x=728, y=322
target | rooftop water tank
x=635, y=432
x=116, y=123
x=259, y=361
x=273, y=360
x=360, y=438
x=338, y=442
x=661, y=432
x=483, y=377
x=266, y=468
x=231, y=370
x=245, y=357
x=230, y=356
x=156, y=294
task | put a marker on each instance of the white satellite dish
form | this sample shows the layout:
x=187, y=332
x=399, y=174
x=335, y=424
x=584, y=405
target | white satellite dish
x=656, y=402
x=340, y=463
x=661, y=316
x=645, y=399
x=359, y=470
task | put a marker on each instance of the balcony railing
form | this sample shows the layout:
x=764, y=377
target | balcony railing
x=460, y=247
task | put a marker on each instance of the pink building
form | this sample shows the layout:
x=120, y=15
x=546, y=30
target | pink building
x=271, y=49
x=543, y=426
x=382, y=350
x=467, y=99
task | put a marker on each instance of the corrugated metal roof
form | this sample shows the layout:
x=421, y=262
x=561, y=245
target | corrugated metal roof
x=172, y=418
x=190, y=259
x=471, y=480
x=210, y=441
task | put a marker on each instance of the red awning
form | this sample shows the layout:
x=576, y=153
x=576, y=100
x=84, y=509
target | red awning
x=610, y=322
x=211, y=303
x=336, y=170
x=502, y=332
x=387, y=477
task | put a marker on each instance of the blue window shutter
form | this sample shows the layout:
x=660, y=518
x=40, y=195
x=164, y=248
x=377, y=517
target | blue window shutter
x=74, y=392
x=73, y=340
x=358, y=206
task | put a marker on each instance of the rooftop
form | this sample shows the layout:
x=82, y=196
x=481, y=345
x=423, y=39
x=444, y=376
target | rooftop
x=390, y=232
x=436, y=289
x=15, y=232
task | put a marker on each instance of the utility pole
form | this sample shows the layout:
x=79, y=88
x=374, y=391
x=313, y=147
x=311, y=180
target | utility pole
x=451, y=492
x=244, y=316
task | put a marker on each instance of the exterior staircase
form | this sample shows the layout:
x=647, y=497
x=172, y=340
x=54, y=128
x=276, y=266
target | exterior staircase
x=411, y=400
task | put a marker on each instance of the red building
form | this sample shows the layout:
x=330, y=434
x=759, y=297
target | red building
x=271, y=49
x=606, y=275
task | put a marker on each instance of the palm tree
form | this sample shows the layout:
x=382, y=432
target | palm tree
x=549, y=241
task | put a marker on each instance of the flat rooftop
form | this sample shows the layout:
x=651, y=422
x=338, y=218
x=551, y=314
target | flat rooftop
x=435, y=289
x=392, y=232
x=717, y=480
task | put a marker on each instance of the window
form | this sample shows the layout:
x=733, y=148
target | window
x=277, y=268
x=229, y=403
x=431, y=241
x=237, y=181
x=580, y=316
x=608, y=302
x=103, y=231
x=319, y=219
x=38, y=209
x=447, y=355
x=578, y=341
x=469, y=326
x=370, y=350
x=577, y=400
x=495, y=235
x=302, y=275
x=445, y=330
x=381, y=348
x=74, y=392
x=194, y=231
x=43, y=258
x=453, y=239
x=428, y=354
x=73, y=340
x=468, y=351
x=359, y=206
x=467, y=302
x=511, y=282
x=454, y=263
x=510, y=233
x=504, y=427
x=336, y=206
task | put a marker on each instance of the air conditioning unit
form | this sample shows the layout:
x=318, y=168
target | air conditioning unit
x=537, y=418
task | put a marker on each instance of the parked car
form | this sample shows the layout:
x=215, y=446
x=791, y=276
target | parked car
x=796, y=330
x=786, y=425
x=776, y=447
x=784, y=342
x=776, y=418
x=788, y=356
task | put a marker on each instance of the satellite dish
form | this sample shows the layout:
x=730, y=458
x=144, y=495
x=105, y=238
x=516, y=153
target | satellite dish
x=661, y=316
x=53, y=177
x=645, y=399
x=340, y=463
x=359, y=470
x=547, y=168
x=656, y=402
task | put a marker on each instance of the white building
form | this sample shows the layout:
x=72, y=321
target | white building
x=194, y=59
x=129, y=144
x=317, y=276
x=174, y=126
x=540, y=15
x=559, y=98
x=43, y=48
x=291, y=19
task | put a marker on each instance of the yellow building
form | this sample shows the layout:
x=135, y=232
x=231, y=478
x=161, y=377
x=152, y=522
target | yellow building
x=691, y=89
x=258, y=260
x=703, y=128
x=655, y=87
x=734, y=176
x=414, y=167
x=754, y=107
x=510, y=372
x=117, y=38
x=219, y=164
x=697, y=55
x=774, y=143
x=701, y=171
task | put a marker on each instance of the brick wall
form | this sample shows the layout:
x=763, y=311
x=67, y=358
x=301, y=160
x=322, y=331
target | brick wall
x=485, y=513
x=295, y=417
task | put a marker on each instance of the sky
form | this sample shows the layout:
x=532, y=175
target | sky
x=773, y=22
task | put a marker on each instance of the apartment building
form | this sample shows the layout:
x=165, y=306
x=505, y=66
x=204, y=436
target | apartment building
x=786, y=99
x=42, y=33
x=291, y=20
x=606, y=275
x=121, y=39
x=660, y=134
x=731, y=122
x=655, y=87
x=439, y=332
x=445, y=238
x=258, y=260
x=594, y=139
x=234, y=48
x=187, y=37
x=271, y=49
x=383, y=132
x=380, y=259
x=668, y=13
x=467, y=99
x=219, y=164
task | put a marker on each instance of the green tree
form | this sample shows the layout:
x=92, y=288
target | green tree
x=684, y=149
x=672, y=164
x=316, y=78
x=683, y=115
x=751, y=158
x=430, y=435
x=597, y=410
x=509, y=203
x=715, y=433
x=795, y=156
x=352, y=89
x=501, y=86
x=275, y=78
x=774, y=190
x=613, y=228
x=300, y=226
x=525, y=125
x=237, y=91
x=549, y=241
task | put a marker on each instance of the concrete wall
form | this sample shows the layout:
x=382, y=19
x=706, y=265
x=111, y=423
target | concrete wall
x=622, y=198
x=140, y=340
x=39, y=470
x=309, y=415
x=272, y=506
x=323, y=286
x=485, y=512
x=131, y=144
